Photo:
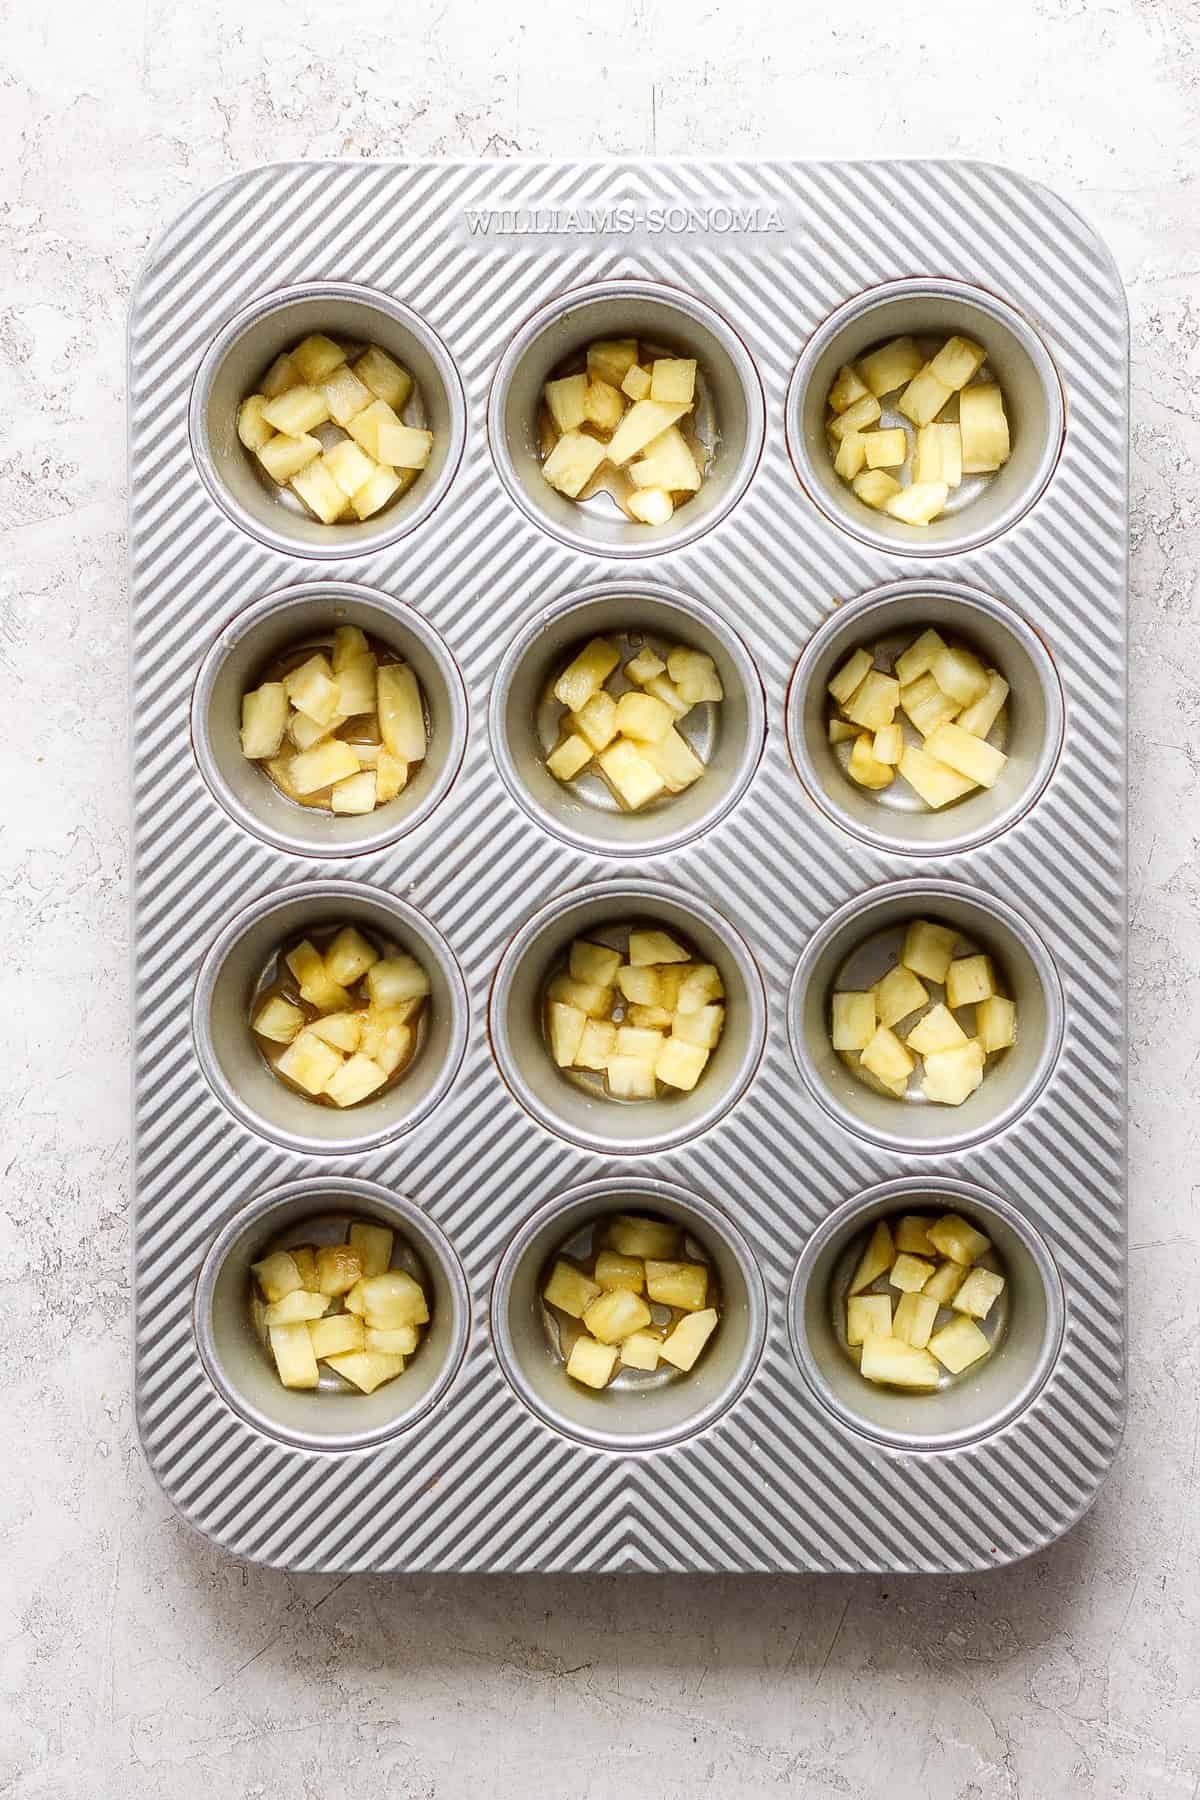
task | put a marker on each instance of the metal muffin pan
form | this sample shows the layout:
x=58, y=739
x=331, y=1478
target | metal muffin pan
x=770, y=1457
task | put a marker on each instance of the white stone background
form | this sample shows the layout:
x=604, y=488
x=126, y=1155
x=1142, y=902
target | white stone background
x=134, y=1659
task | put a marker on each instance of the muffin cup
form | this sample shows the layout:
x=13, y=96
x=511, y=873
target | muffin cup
x=980, y=1402
x=859, y=932
x=332, y=1417
x=236, y=1070
x=730, y=413
x=896, y=818
x=245, y=349
x=982, y=507
x=583, y=1113
x=234, y=664
x=627, y=1416
x=584, y=812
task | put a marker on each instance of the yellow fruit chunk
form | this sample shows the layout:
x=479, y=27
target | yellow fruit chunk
x=673, y=379
x=938, y=1030
x=910, y=1273
x=857, y=417
x=918, y=503
x=968, y=979
x=572, y=755
x=918, y=659
x=387, y=379
x=897, y=994
x=977, y=1295
x=592, y=1363
x=984, y=428
x=570, y=1289
x=875, y=488
x=968, y=754
x=683, y=1346
x=936, y=783
x=847, y=388
x=868, y=1315
x=865, y=767
x=642, y=1350
x=886, y=449
x=876, y=1259
x=996, y=1023
x=853, y=1020
x=681, y=1284
x=355, y=1080
x=924, y=397
x=887, y=1057
x=894, y=1363
x=958, y=1345
x=366, y=1369
x=632, y=1235
x=566, y=402
x=572, y=462
x=957, y=361
x=890, y=367
x=616, y=1314
x=951, y=1076
x=616, y=1271
x=292, y=1349
x=915, y=1316
x=958, y=1240
x=850, y=676
x=611, y=359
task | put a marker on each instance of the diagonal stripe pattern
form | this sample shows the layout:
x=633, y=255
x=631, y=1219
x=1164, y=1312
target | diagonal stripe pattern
x=776, y=1483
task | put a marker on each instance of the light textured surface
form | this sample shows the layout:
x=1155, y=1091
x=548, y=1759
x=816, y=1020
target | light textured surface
x=136, y=1660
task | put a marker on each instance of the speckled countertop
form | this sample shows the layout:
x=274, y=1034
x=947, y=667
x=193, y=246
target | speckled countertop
x=134, y=1659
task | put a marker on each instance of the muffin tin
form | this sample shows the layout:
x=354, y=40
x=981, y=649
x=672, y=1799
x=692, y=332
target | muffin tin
x=772, y=1455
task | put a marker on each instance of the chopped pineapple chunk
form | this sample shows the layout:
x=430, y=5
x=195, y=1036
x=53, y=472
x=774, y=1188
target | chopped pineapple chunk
x=651, y=506
x=875, y=488
x=566, y=401
x=847, y=388
x=977, y=1295
x=387, y=379
x=918, y=503
x=866, y=768
x=682, y=1347
x=951, y=1076
x=910, y=1273
x=264, y=720
x=890, y=367
x=959, y=1344
x=968, y=979
x=633, y=1235
x=887, y=1057
x=984, y=427
x=615, y=1314
x=868, y=1315
x=996, y=1023
x=897, y=994
x=586, y=674
x=896, y=1364
x=292, y=1349
x=592, y=1363
x=673, y=379
x=572, y=462
x=874, y=701
x=886, y=449
x=570, y=1290
x=968, y=754
x=616, y=1271
x=936, y=783
x=938, y=1030
x=915, y=1317
x=572, y=755
x=853, y=1020
x=877, y=1258
x=924, y=397
x=981, y=715
x=633, y=779
x=850, y=676
x=653, y=947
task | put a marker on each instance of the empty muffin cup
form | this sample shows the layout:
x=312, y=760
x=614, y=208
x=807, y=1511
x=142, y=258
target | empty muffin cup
x=635, y=1412
x=574, y=1105
x=229, y=979
x=983, y=1398
x=318, y=1210
x=237, y=359
x=729, y=417
x=857, y=945
x=726, y=735
x=235, y=663
x=982, y=506
x=885, y=622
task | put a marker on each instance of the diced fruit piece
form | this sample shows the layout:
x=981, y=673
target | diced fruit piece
x=345, y=395
x=366, y=1369
x=945, y=1282
x=404, y=446
x=310, y=1063
x=253, y=428
x=875, y=488
x=388, y=380
x=386, y=1037
x=703, y=1027
x=664, y=689
x=592, y=1363
x=641, y=1350
x=674, y=760
x=594, y=962
x=977, y=1295
x=317, y=358
x=887, y=1057
x=283, y=456
x=888, y=746
x=588, y=996
x=603, y=405
x=938, y=456
x=651, y=506
x=651, y=1239
x=305, y=732
x=698, y=988
x=650, y=948
x=349, y=956
x=650, y=1018
x=354, y=795
x=339, y=1268
x=936, y=783
x=960, y=674
x=671, y=977
x=856, y=417
x=938, y=1030
x=630, y=1078
x=841, y=729
x=695, y=675
x=610, y=359
x=683, y=1345
x=886, y=449
x=634, y=1041
x=292, y=1349
x=615, y=1315
x=951, y=1076
x=890, y=367
x=642, y=985
x=356, y=686
x=896, y=1364
x=853, y=1020
x=336, y=1336
x=910, y=1273
x=968, y=754
x=874, y=701
x=311, y=688
x=865, y=767
x=636, y=384
x=282, y=375
x=984, y=428
x=914, y=1320
x=597, y=722
x=673, y=379
x=968, y=979
x=296, y=412
x=396, y=978
x=847, y=388
x=995, y=1023
x=316, y=986
x=319, y=491
x=322, y=766
x=981, y=715
x=851, y=456
x=924, y=397
x=570, y=1290
x=374, y=1244
x=681, y=1284
x=644, y=666
x=401, y=1342
x=393, y=1299
x=355, y=1079
x=565, y=401
x=572, y=462
x=850, y=676
x=586, y=674
x=926, y=705
x=278, y=1020
x=349, y=644
x=616, y=1271
x=645, y=421
x=958, y=1240
x=958, y=1345
x=276, y=1275
x=566, y=1026
x=264, y=720
x=364, y=428
x=957, y=361
x=391, y=776
x=640, y=716
x=897, y=994
x=918, y=503
x=349, y=466
x=572, y=755
x=667, y=463
x=296, y=1308
x=912, y=1235
x=876, y=1259
x=868, y=1315
x=401, y=714
x=918, y=659
x=376, y=491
